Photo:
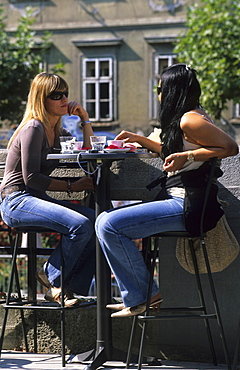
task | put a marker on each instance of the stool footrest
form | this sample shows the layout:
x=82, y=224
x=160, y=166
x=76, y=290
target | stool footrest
x=26, y=251
x=175, y=317
x=28, y=306
x=193, y=308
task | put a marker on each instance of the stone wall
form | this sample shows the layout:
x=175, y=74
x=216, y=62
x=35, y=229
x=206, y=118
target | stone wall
x=169, y=339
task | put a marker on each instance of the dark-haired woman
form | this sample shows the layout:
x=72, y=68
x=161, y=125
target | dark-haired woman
x=27, y=178
x=188, y=139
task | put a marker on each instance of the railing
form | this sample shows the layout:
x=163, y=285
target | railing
x=5, y=269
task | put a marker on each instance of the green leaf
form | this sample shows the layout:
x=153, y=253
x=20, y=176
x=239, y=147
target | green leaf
x=19, y=63
x=212, y=45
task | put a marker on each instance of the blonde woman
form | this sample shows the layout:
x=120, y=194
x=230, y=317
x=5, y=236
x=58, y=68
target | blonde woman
x=27, y=178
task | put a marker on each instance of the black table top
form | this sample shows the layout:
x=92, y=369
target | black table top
x=101, y=155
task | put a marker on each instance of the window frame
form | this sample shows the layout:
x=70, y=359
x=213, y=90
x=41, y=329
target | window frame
x=236, y=110
x=171, y=59
x=97, y=80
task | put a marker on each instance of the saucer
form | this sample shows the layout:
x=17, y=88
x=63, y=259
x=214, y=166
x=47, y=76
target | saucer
x=123, y=150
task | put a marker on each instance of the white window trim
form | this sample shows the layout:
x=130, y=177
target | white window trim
x=154, y=81
x=237, y=110
x=97, y=80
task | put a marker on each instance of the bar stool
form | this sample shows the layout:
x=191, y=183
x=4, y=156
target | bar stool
x=200, y=311
x=31, y=302
x=5, y=249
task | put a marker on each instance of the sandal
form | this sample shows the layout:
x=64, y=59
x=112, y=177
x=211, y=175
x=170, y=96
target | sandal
x=54, y=295
x=42, y=278
x=136, y=310
x=115, y=306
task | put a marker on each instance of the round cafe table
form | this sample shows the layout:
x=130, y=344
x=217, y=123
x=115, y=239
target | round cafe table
x=101, y=162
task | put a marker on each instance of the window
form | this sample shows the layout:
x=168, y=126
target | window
x=160, y=62
x=98, y=88
x=236, y=112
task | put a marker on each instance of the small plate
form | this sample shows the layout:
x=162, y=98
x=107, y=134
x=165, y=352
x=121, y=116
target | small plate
x=79, y=150
x=117, y=150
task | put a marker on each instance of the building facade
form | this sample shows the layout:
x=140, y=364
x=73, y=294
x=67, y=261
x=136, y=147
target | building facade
x=113, y=52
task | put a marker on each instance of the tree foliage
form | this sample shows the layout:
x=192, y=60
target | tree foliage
x=211, y=45
x=20, y=59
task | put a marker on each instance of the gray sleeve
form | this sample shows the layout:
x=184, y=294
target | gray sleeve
x=32, y=155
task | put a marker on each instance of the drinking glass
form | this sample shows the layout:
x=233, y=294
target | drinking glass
x=67, y=144
x=98, y=142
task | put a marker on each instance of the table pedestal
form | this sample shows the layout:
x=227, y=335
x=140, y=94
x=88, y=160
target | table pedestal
x=104, y=349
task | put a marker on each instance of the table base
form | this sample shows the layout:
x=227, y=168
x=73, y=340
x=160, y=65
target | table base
x=94, y=361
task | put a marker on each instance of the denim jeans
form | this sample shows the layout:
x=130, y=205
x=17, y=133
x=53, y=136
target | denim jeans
x=73, y=221
x=116, y=230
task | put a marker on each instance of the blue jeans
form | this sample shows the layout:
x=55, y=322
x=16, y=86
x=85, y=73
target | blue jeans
x=116, y=230
x=73, y=221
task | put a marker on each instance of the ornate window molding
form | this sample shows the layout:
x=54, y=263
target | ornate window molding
x=98, y=42
x=175, y=4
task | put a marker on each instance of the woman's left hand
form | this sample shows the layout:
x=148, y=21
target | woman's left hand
x=84, y=183
x=76, y=109
x=175, y=161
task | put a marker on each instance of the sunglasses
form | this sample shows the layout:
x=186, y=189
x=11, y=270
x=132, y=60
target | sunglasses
x=58, y=95
x=159, y=89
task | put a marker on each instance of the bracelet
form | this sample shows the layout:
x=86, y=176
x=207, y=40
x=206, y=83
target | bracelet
x=83, y=123
x=69, y=190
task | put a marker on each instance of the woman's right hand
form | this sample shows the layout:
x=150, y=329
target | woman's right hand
x=84, y=183
x=139, y=140
x=128, y=137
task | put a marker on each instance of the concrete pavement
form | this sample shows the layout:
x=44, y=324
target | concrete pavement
x=36, y=361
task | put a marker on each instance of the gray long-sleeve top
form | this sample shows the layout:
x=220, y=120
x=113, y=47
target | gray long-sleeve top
x=26, y=162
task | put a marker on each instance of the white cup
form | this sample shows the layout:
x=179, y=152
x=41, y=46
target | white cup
x=78, y=145
x=67, y=144
x=98, y=142
x=118, y=143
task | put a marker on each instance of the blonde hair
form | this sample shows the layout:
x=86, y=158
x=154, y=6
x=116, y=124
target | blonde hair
x=42, y=85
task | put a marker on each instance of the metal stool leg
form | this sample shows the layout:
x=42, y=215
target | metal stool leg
x=144, y=328
x=215, y=301
x=202, y=301
x=62, y=310
x=131, y=341
x=145, y=252
x=14, y=273
x=235, y=359
x=32, y=284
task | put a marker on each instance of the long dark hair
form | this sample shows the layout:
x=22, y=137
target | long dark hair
x=180, y=94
